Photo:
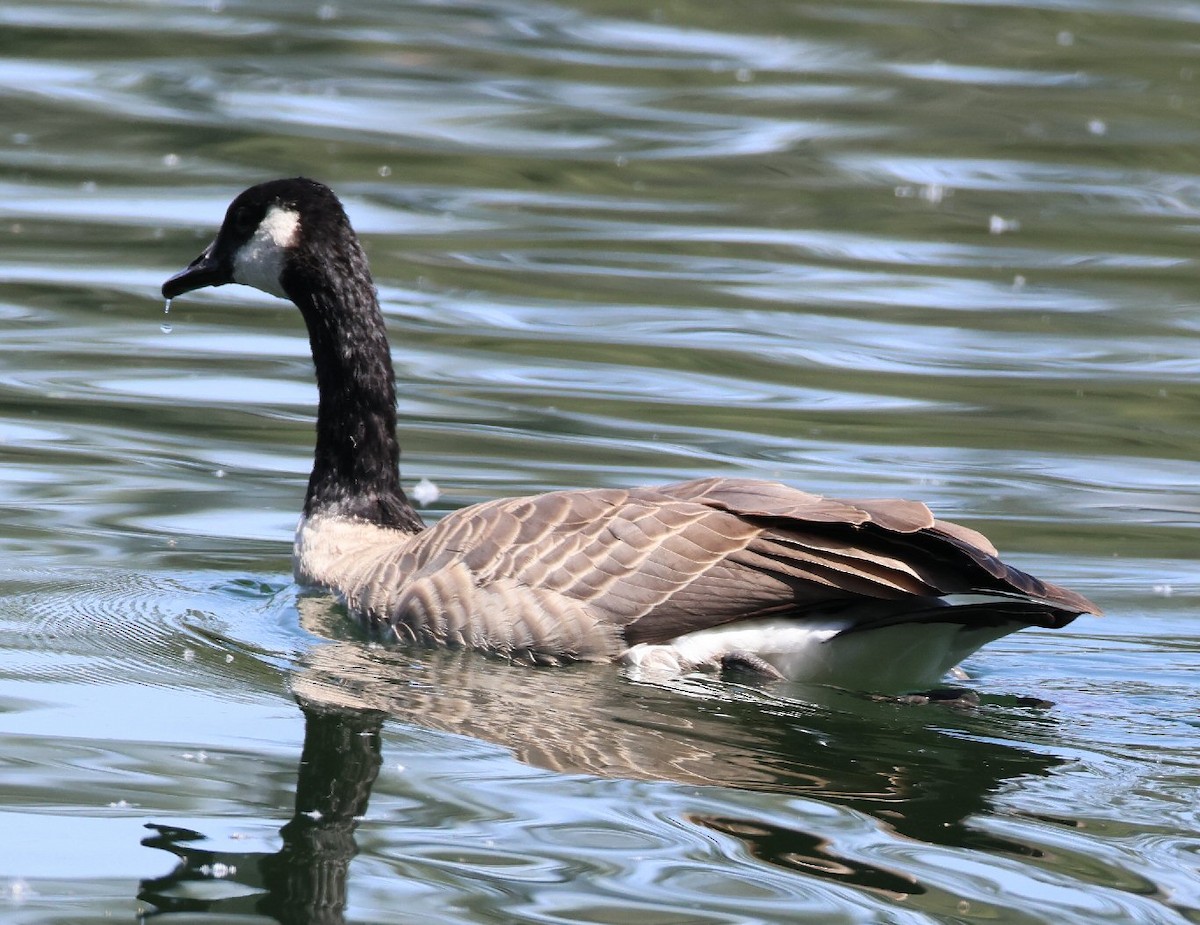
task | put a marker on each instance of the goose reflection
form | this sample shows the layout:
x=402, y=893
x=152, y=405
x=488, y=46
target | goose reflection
x=921, y=772
x=305, y=880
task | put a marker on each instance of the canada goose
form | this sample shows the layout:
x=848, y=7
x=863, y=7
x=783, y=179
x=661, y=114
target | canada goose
x=710, y=572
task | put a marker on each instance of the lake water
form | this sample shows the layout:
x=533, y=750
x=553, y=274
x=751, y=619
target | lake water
x=872, y=248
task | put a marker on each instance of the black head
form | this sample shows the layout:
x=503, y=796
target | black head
x=263, y=232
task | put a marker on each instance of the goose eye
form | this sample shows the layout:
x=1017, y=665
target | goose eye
x=243, y=221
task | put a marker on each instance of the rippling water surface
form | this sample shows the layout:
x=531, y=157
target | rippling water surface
x=925, y=249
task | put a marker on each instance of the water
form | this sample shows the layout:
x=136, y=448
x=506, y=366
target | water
x=935, y=250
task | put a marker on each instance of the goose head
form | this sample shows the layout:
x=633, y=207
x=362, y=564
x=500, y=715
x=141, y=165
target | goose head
x=274, y=237
x=291, y=238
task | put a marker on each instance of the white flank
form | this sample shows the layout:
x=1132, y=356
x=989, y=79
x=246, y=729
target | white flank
x=904, y=657
x=259, y=261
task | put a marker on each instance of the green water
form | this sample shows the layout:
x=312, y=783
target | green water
x=934, y=250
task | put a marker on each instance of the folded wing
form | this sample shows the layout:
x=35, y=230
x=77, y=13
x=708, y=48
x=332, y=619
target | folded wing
x=620, y=567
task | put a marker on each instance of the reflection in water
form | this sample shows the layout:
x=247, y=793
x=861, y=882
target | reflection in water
x=920, y=772
x=809, y=853
x=305, y=881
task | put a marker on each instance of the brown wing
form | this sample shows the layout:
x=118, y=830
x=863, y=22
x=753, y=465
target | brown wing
x=814, y=556
x=583, y=573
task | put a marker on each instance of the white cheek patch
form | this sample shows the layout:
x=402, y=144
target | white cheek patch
x=259, y=261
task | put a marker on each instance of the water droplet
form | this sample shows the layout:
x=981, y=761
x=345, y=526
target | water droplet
x=999, y=225
x=166, y=325
x=934, y=192
x=425, y=492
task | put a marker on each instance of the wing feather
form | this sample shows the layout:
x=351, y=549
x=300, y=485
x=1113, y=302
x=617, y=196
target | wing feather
x=581, y=573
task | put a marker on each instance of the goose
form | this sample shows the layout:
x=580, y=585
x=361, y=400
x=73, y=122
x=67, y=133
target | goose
x=711, y=573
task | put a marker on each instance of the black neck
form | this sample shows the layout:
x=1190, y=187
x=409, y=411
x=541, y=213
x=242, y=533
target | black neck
x=356, y=464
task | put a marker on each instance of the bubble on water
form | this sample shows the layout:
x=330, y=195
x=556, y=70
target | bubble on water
x=999, y=225
x=933, y=192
